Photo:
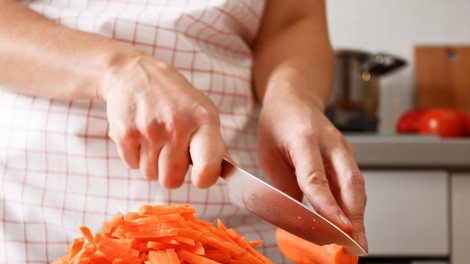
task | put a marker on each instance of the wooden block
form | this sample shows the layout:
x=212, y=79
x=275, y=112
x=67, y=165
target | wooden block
x=443, y=76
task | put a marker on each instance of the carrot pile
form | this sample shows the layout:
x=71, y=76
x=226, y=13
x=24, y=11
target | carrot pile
x=162, y=234
x=301, y=251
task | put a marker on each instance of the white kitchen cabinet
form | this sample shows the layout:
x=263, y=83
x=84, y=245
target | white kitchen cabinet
x=460, y=201
x=407, y=213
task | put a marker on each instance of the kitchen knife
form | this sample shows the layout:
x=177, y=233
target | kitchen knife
x=248, y=192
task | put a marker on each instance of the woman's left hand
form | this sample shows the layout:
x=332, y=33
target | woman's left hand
x=304, y=154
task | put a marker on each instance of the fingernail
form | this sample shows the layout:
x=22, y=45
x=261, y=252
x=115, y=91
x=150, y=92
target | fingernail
x=345, y=220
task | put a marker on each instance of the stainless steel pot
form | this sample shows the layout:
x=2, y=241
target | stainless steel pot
x=354, y=102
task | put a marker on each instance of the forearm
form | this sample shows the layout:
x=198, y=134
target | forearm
x=40, y=57
x=293, y=57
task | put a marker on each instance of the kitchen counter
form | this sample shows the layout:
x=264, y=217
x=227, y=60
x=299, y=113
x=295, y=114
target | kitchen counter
x=418, y=196
x=410, y=151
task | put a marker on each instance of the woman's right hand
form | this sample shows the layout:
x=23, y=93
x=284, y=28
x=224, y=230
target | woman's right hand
x=159, y=121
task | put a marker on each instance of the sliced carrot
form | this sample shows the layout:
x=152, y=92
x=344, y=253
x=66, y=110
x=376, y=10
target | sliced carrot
x=158, y=256
x=233, y=234
x=86, y=233
x=62, y=260
x=101, y=259
x=164, y=210
x=185, y=240
x=301, y=251
x=192, y=258
x=172, y=256
x=110, y=227
x=162, y=234
x=119, y=261
x=114, y=249
x=83, y=256
x=255, y=243
x=77, y=245
x=218, y=255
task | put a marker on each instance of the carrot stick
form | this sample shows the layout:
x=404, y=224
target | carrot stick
x=163, y=210
x=86, y=233
x=62, y=260
x=172, y=256
x=193, y=258
x=162, y=234
x=301, y=251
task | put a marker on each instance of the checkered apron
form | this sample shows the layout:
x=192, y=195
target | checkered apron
x=58, y=168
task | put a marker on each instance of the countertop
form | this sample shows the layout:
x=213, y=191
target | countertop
x=410, y=151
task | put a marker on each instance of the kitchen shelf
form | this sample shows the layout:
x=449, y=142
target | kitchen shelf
x=410, y=151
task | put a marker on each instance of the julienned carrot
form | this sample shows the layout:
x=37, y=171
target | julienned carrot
x=301, y=251
x=162, y=234
x=167, y=256
x=191, y=258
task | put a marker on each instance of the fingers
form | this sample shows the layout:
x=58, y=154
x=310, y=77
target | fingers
x=314, y=183
x=352, y=185
x=207, y=150
x=148, y=160
x=173, y=163
x=162, y=153
x=279, y=171
x=152, y=141
x=128, y=146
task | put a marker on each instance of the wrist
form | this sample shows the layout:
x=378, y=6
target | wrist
x=281, y=93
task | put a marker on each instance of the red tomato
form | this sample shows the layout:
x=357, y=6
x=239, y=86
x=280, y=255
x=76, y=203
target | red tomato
x=409, y=122
x=445, y=122
x=468, y=124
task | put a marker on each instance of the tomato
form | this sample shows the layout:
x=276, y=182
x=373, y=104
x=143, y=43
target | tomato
x=468, y=124
x=445, y=122
x=409, y=122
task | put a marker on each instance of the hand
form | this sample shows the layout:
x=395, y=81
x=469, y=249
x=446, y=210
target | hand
x=304, y=154
x=159, y=121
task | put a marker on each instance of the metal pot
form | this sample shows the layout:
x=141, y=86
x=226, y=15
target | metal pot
x=354, y=102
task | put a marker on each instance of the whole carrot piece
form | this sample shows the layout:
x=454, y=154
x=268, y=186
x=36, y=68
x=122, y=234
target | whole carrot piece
x=302, y=251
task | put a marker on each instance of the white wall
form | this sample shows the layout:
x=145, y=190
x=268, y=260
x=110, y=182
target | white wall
x=396, y=26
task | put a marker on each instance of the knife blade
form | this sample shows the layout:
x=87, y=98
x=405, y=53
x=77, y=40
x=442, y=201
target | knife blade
x=250, y=193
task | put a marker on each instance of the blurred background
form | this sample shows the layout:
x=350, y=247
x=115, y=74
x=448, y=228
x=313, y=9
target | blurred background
x=397, y=27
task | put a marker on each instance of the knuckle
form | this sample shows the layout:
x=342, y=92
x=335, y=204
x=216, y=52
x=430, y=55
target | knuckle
x=151, y=131
x=316, y=178
x=330, y=128
x=356, y=217
x=205, y=115
x=131, y=135
x=335, y=135
x=355, y=179
x=174, y=121
x=123, y=134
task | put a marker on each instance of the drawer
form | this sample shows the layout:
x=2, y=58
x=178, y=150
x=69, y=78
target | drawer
x=407, y=213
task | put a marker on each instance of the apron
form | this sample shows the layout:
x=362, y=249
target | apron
x=58, y=168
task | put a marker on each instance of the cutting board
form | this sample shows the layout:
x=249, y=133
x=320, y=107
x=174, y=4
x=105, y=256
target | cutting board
x=443, y=76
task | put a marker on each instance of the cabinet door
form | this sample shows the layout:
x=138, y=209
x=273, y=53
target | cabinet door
x=460, y=217
x=407, y=213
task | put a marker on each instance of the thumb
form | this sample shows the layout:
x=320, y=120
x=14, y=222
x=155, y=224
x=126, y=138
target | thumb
x=207, y=149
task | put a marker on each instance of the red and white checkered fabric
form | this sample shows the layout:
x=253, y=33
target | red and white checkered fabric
x=59, y=169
